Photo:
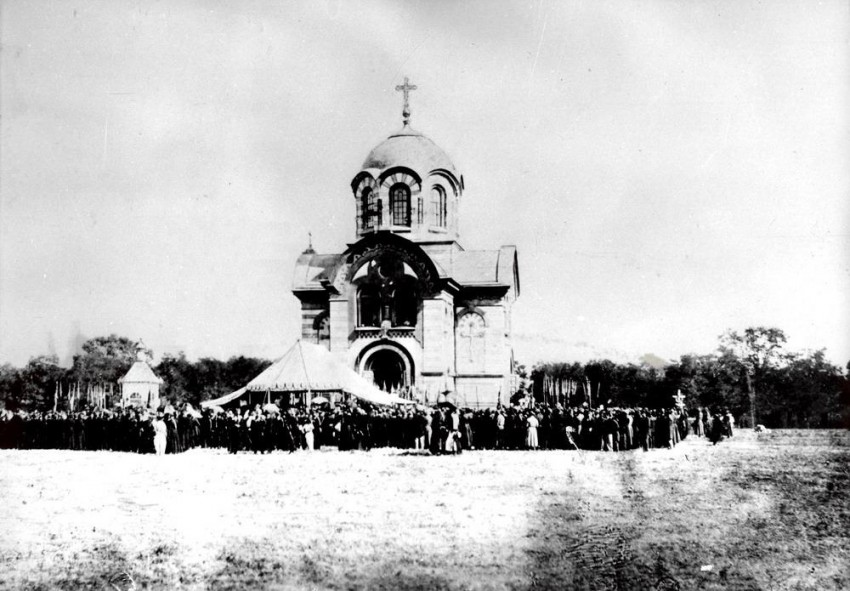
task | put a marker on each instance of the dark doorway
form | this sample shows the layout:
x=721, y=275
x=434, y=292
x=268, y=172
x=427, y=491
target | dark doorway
x=388, y=370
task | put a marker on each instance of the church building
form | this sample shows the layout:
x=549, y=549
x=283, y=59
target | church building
x=406, y=305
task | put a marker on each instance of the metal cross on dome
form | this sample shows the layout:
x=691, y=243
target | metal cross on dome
x=406, y=88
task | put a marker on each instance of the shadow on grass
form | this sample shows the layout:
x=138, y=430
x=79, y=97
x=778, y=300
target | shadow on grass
x=247, y=564
x=405, y=582
x=752, y=514
x=421, y=453
x=613, y=540
x=809, y=522
x=578, y=547
x=102, y=567
x=250, y=564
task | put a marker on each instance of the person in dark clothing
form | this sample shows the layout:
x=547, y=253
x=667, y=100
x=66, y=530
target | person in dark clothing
x=610, y=433
x=172, y=445
x=436, y=431
x=717, y=430
x=641, y=424
x=662, y=430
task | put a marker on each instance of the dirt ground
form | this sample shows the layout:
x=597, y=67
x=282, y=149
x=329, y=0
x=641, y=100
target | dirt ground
x=766, y=511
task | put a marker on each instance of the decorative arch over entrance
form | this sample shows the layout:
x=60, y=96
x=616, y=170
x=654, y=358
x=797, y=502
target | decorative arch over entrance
x=388, y=365
x=385, y=246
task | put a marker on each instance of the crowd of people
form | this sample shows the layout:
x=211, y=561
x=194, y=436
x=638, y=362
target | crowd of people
x=440, y=429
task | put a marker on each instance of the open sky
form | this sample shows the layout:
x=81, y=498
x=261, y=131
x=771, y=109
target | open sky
x=667, y=170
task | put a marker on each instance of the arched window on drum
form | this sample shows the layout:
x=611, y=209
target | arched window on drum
x=470, y=342
x=369, y=208
x=400, y=204
x=438, y=206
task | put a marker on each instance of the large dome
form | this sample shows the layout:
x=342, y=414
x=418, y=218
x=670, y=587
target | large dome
x=410, y=149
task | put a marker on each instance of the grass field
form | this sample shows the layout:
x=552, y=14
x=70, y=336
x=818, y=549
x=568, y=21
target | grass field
x=768, y=511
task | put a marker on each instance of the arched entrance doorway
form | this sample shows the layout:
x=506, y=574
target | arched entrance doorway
x=387, y=366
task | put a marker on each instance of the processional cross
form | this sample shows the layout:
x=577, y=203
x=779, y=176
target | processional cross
x=406, y=88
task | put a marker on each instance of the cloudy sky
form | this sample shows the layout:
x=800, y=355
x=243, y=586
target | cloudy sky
x=667, y=170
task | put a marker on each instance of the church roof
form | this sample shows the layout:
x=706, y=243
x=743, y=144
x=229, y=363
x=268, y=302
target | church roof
x=140, y=373
x=312, y=268
x=477, y=267
x=410, y=149
x=465, y=267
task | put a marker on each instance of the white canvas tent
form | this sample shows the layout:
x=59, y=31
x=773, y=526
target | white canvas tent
x=311, y=368
x=223, y=399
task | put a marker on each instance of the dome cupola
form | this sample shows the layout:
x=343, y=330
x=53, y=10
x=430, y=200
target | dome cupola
x=408, y=185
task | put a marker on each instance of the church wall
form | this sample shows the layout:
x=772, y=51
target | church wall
x=482, y=392
x=437, y=337
x=452, y=213
x=358, y=214
x=340, y=324
x=422, y=207
x=431, y=386
x=309, y=311
x=490, y=353
x=479, y=301
x=495, y=360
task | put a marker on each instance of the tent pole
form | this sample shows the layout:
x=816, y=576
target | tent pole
x=308, y=394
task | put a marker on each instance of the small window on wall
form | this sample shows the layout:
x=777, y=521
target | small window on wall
x=369, y=206
x=400, y=204
x=470, y=341
x=368, y=306
x=404, y=304
x=323, y=330
x=438, y=206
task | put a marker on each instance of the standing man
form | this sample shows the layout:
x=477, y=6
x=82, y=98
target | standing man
x=233, y=427
x=729, y=422
x=500, y=429
x=453, y=440
x=436, y=440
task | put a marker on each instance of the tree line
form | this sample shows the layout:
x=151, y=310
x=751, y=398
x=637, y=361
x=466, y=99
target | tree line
x=752, y=373
x=104, y=360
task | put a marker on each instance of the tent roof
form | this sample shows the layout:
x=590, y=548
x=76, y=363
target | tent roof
x=140, y=373
x=309, y=367
x=223, y=399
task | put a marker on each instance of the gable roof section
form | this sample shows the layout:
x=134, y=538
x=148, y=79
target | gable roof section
x=311, y=269
x=508, y=271
x=476, y=267
x=140, y=373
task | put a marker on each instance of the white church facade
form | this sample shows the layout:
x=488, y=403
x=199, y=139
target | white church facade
x=406, y=305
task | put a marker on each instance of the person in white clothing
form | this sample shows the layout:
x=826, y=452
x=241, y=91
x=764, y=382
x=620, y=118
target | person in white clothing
x=307, y=429
x=531, y=424
x=159, y=434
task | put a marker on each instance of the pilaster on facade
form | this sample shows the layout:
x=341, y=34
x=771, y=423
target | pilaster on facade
x=339, y=322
